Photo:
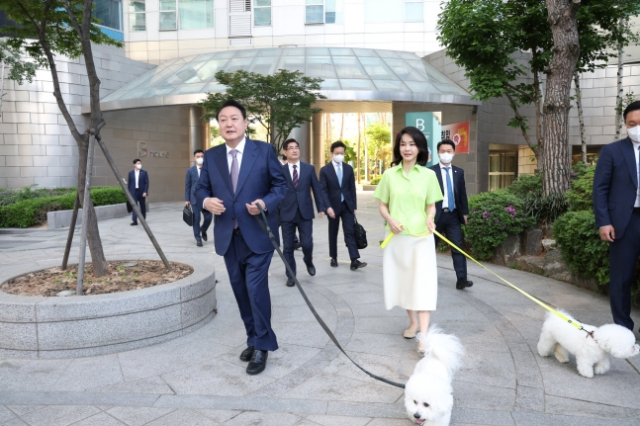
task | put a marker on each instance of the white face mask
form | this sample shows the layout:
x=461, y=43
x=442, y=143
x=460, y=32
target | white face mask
x=338, y=158
x=634, y=133
x=445, y=157
x=199, y=160
x=139, y=166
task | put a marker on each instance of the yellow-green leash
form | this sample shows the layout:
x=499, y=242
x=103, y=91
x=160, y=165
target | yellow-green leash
x=535, y=299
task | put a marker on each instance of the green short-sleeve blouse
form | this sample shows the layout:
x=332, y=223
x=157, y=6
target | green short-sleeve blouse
x=408, y=196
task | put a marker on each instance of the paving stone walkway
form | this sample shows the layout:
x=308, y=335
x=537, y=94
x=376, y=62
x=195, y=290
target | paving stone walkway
x=198, y=380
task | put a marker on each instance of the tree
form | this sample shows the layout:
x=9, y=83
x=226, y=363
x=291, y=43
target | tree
x=379, y=142
x=280, y=102
x=484, y=37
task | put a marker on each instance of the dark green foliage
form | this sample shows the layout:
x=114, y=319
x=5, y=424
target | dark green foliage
x=543, y=209
x=11, y=196
x=376, y=180
x=33, y=211
x=582, y=248
x=493, y=216
x=580, y=195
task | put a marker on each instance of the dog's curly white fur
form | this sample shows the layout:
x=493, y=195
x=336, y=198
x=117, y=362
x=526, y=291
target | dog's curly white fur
x=561, y=338
x=428, y=396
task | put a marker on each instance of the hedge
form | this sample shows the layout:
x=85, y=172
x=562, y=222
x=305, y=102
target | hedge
x=30, y=212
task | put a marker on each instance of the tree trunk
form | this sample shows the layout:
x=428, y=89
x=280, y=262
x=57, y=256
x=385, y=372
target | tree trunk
x=523, y=126
x=583, y=139
x=341, y=126
x=619, y=90
x=557, y=102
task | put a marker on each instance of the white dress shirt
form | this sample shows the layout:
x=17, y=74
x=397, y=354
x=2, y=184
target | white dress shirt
x=291, y=169
x=137, y=174
x=337, y=166
x=443, y=172
x=636, y=147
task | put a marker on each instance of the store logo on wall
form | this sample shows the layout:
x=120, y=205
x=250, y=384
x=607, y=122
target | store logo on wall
x=459, y=134
x=144, y=151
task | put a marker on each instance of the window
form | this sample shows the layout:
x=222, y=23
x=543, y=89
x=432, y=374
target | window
x=413, y=11
x=195, y=14
x=376, y=11
x=109, y=12
x=137, y=16
x=502, y=169
x=261, y=13
x=324, y=12
x=168, y=15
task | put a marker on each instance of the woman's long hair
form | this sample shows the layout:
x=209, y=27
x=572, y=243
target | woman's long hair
x=421, y=142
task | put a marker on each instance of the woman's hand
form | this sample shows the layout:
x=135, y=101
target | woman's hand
x=395, y=226
x=431, y=224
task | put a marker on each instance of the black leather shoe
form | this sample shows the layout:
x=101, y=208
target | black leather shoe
x=291, y=282
x=134, y=223
x=356, y=264
x=461, y=285
x=311, y=269
x=199, y=243
x=247, y=354
x=334, y=262
x=258, y=362
x=204, y=236
x=297, y=245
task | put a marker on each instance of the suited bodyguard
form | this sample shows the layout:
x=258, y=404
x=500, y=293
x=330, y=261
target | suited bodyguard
x=339, y=190
x=138, y=185
x=453, y=210
x=296, y=210
x=190, y=185
x=235, y=178
x=616, y=205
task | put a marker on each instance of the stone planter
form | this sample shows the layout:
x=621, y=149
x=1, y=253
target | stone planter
x=63, y=327
x=62, y=218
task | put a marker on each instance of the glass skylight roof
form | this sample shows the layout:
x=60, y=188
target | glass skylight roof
x=341, y=68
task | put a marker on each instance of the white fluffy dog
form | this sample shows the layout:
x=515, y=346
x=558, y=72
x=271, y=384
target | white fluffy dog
x=561, y=338
x=428, y=396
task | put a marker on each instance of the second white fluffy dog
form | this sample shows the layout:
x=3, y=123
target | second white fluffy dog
x=428, y=395
x=560, y=338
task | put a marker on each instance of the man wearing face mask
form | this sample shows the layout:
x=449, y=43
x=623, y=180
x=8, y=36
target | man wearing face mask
x=616, y=205
x=453, y=210
x=339, y=189
x=138, y=187
x=190, y=185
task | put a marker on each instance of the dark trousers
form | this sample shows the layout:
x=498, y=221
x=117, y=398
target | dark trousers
x=248, y=274
x=140, y=201
x=348, y=229
x=449, y=225
x=208, y=217
x=305, y=228
x=623, y=255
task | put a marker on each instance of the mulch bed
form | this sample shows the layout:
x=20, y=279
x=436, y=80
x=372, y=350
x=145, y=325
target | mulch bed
x=49, y=282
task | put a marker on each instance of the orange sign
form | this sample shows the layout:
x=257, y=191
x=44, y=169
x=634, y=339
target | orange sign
x=459, y=134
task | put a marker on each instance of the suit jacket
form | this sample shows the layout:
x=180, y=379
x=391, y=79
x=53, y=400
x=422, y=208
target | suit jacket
x=300, y=198
x=614, y=185
x=143, y=182
x=260, y=177
x=190, y=185
x=331, y=187
x=459, y=191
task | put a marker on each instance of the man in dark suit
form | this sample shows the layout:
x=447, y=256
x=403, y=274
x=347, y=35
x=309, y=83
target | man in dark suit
x=339, y=190
x=616, y=204
x=190, y=184
x=138, y=186
x=296, y=211
x=235, y=178
x=453, y=210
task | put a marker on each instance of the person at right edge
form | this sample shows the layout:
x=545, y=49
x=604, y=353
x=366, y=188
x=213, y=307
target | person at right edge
x=339, y=189
x=616, y=204
x=453, y=210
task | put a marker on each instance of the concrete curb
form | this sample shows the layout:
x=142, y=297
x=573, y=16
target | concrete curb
x=62, y=218
x=67, y=327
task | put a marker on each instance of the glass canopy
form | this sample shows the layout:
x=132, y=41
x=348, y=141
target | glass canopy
x=342, y=69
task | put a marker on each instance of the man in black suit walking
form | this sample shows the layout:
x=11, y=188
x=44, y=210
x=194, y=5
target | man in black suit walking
x=453, y=210
x=296, y=210
x=339, y=189
x=190, y=185
x=138, y=186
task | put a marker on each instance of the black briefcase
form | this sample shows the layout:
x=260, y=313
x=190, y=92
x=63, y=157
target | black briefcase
x=361, y=236
x=187, y=215
x=129, y=208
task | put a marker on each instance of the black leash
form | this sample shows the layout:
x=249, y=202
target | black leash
x=267, y=229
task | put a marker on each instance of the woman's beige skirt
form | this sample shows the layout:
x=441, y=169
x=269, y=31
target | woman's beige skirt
x=409, y=273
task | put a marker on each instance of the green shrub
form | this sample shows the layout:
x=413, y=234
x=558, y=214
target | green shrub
x=542, y=209
x=582, y=248
x=526, y=184
x=376, y=180
x=493, y=216
x=33, y=211
x=580, y=194
x=12, y=196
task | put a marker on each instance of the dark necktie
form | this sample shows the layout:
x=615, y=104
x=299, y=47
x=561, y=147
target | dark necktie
x=295, y=176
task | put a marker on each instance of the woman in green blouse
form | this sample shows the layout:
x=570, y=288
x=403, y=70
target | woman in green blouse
x=408, y=193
